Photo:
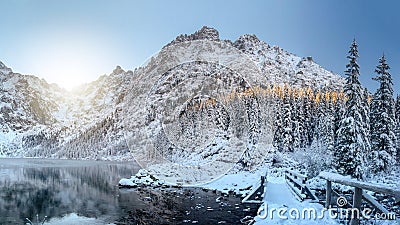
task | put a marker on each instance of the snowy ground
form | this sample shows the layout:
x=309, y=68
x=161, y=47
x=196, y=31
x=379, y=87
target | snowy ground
x=239, y=183
x=72, y=218
x=277, y=196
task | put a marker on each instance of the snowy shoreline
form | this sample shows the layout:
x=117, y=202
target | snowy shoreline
x=278, y=195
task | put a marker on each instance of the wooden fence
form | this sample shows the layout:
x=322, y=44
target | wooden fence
x=358, y=195
x=256, y=195
x=297, y=182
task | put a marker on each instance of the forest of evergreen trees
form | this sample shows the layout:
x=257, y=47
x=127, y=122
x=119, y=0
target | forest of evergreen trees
x=350, y=129
x=358, y=132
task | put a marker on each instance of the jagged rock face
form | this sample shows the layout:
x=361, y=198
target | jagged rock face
x=280, y=66
x=205, y=33
x=176, y=88
x=41, y=119
x=26, y=101
x=4, y=69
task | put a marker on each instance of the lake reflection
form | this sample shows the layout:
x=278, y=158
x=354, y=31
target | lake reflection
x=86, y=192
x=54, y=188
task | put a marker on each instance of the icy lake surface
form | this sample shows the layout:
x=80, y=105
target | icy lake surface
x=86, y=192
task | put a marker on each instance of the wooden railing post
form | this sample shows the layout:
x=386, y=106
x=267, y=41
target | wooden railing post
x=357, y=199
x=328, y=193
x=358, y=196
x=262, y=180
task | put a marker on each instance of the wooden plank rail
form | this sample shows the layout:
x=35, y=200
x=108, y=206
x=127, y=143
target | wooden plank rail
x=357, y=200
x=257, y=193
x=252, y=196
x=359, y=194
x=296, y=174
x=336, y=178
x=297, y=182
x=375, y=204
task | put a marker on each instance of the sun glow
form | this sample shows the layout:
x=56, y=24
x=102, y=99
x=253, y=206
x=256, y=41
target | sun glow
x=71, y=60
x=69, y=66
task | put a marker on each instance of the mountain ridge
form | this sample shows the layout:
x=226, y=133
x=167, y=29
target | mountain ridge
x=42, y=120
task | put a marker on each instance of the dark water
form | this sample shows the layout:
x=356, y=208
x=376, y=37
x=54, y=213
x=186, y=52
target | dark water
x=86, y=192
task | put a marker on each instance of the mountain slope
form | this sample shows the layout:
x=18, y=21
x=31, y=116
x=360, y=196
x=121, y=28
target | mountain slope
x=280, y=66
x=42, y=120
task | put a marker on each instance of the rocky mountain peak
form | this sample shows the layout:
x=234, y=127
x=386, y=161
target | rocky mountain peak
x=250, y=44
x=38, y=119
x=118, y=70
x=205, y=33
x=4, y=69
x=247, y=39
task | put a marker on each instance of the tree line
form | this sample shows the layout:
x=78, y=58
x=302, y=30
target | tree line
x=359, y=129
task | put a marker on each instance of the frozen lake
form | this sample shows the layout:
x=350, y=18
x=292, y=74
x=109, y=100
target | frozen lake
x=86, y=192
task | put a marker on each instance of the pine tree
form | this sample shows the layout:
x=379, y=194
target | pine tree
x=309, y=116
x=383, y=139
x=298, y=120
x=337, y=116
x=366, y=110
x=287, y=122
x=325, y=127
x=278, y=125
x=352, y=140
x=374, y=126
x=397, y=110
x=397, y=129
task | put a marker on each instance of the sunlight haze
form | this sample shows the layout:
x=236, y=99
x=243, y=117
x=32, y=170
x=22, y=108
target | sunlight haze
x=70, y=42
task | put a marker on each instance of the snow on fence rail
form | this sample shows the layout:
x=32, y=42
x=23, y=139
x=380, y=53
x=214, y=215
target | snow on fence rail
x=359, y=186
x=337, y=178
x=297, y=183
x=257, y=193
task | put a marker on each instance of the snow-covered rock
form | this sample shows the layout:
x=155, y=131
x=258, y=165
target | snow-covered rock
x=4, y=69
x=281, y=66
x=43, y=120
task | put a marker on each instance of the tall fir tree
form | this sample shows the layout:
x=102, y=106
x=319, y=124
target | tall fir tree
x=383, y=139
x=337, y=116
x=397, y=110
x=326, y=120
x=278, y=124
x=299, y=136
x=374, y=125
x=352, y=136
x=397, y=128
x=309, y=116
x=287, y=121
x=366, y=110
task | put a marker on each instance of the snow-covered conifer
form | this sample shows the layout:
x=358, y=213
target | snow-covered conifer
x=352, y=140
x=383, y=139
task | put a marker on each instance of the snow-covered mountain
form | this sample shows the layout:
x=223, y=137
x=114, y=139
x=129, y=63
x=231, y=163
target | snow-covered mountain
x=44, y=120
x=28, y=105
x=41, y=119
x=280, y=66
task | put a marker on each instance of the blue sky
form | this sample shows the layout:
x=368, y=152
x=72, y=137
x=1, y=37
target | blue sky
x=74, y=41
